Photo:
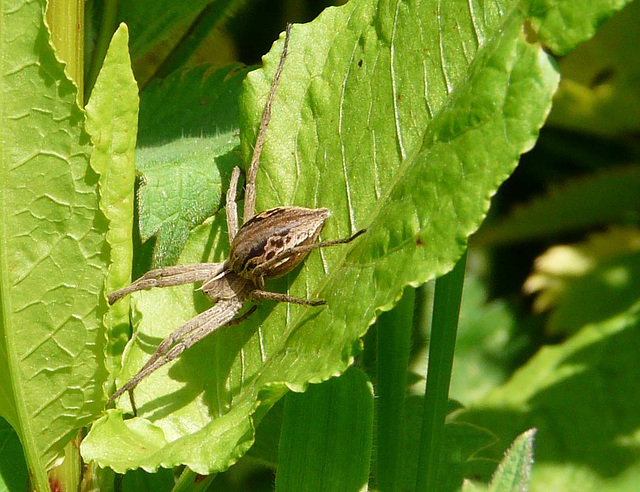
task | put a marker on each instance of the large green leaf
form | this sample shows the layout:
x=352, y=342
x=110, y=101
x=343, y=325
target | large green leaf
x=182, y=186
x=53, y=255
x=402, y=118
x=193, y=103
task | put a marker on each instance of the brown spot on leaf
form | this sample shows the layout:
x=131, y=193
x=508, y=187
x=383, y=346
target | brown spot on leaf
x=55, y=485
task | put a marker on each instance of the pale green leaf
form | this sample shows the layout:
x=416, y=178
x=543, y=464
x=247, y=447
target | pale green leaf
x=112, y=117
x=563, y=25
x=53, y=254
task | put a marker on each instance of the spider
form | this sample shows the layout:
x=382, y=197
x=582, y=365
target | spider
x=268, y=245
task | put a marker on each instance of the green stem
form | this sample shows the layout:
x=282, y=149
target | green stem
x=394, y=344
x=446, y=310
x=191, y=481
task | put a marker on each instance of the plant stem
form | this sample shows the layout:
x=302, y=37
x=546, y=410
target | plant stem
x=394, y=344
x=191, y=481
x=446, y=310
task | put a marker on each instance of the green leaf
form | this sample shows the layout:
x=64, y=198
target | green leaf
x=112, y=115
x=613, y=198
x=190, y=122
x=182, y=186
x=514, y=471
x=563, y=25
x=582, y=397
x=325, y=442
x=194, y=103
x=397, y=120
x=53, y=254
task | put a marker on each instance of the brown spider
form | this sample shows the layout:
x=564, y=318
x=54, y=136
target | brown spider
x=268, y=245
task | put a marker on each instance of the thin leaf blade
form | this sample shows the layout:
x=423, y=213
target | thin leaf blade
x=112, y=115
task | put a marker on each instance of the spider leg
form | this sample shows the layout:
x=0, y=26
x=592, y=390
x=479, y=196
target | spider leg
x=257, y=295
x=259, y=270
x=166, y=277
x=250, y=189
x=231, y=206
x=195, y=330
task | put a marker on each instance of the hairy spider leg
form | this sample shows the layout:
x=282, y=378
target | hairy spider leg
x=250, y=188
x=231, y=207
x=170, y=276
x=258, y=295
x=199, y=327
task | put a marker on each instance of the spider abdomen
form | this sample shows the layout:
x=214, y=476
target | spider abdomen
x=271, y=233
